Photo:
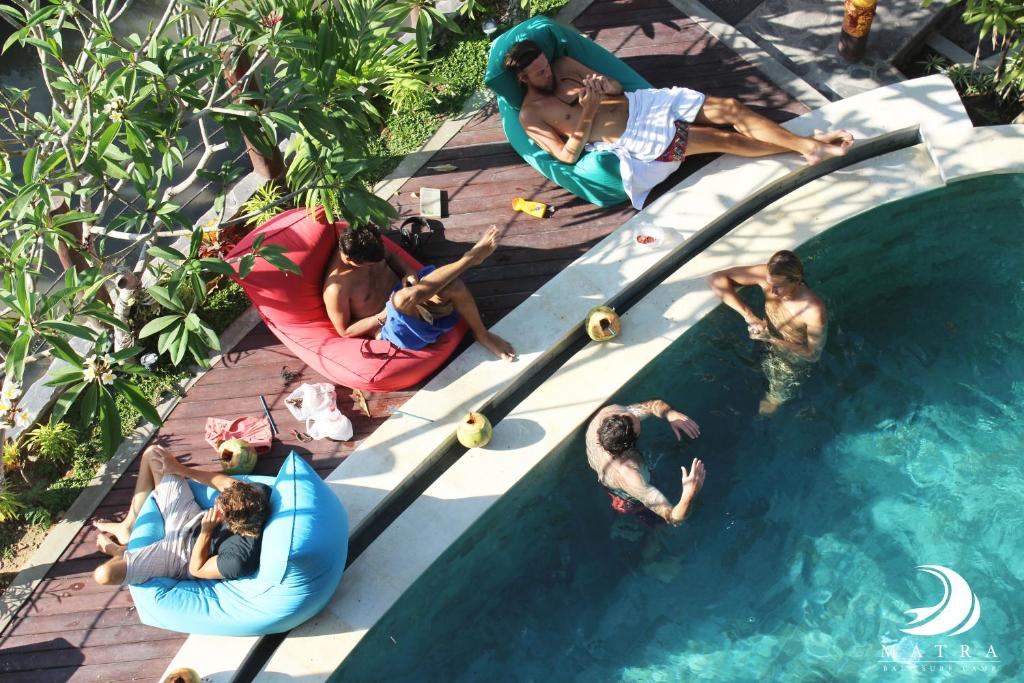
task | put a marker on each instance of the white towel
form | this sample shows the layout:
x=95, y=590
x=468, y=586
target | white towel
x=650, y=129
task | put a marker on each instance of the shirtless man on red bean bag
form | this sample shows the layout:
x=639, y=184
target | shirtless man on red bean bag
x=370, y=292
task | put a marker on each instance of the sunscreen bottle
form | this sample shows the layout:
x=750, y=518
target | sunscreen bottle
x=535, y=209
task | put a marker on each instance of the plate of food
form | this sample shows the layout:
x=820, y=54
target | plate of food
x=649, y=235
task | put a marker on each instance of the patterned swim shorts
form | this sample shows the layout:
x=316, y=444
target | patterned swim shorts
x=677, y=148
x=630, y=506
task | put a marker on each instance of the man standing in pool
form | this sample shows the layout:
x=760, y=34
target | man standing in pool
x=795, y=323
x=623, y=470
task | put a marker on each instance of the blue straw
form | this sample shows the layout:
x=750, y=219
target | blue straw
x=418, y=417
x=273, y=425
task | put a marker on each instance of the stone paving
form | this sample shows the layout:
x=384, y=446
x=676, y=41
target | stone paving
x=803, y=35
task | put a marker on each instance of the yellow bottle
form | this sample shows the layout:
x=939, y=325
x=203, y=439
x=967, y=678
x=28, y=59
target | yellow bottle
x=535, y=209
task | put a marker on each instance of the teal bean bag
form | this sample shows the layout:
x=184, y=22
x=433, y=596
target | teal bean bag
x=305, y=543
x=595, y=176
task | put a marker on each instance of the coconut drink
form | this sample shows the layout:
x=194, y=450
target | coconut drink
x=183, y=675
x=237, y=456
x=603, y=323
x=474, y=430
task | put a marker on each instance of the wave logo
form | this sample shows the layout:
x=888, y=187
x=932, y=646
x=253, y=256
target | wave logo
x=957, y=612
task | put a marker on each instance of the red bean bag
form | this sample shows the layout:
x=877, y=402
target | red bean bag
x=293, y=308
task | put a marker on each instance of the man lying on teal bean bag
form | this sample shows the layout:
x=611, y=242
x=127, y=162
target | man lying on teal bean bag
x=570, y=99
x=595, y=176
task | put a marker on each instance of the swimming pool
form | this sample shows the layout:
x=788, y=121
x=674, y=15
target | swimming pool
x=800, y=559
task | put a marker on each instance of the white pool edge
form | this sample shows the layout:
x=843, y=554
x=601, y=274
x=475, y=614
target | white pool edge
x=417, y=537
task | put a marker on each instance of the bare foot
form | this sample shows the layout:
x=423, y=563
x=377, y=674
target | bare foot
x=830, y=144
x=108, y=546
x=479, y=252
x=118, y=530
x=498, y=346
x=767, y=406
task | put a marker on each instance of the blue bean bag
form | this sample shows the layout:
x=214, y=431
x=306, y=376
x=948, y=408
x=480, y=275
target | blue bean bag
x=595, y=175
x=305, y=543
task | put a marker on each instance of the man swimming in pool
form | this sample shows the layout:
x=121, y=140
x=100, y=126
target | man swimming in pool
x=370, y=292
x=223, y=542
x=795, y=324
x=569, y=106
x=623, y=470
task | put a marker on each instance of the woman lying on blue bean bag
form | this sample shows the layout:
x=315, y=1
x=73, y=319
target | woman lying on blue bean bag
x=203, y=552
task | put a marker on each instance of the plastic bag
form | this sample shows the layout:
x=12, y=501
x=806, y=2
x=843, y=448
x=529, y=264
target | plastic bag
x=309, y=399
x=329, y=424
x=318, y=406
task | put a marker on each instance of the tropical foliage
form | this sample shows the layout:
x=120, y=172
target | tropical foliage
x=1001, y=24
x=140, y=128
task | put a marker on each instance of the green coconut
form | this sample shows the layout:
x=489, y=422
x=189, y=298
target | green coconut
x=603, y=323
x=237, y=456
x=474, y=431
x=184, y=675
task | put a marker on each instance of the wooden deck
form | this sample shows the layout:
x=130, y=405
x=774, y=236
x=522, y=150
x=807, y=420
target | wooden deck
x=74, y=630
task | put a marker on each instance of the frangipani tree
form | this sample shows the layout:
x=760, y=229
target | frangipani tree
x=136, y=127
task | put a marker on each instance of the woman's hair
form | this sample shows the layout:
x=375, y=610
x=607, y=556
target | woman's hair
x=362, y=245
x=521, y=56
x=245, y=507
x=616, y=434
x=786, y=264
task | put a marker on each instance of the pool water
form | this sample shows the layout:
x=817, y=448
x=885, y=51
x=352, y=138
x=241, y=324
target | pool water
x=903, y=449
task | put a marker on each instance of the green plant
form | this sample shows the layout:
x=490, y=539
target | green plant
x=935, y=64
x=960, y=75
x=10, y=506
x=349, y=54
x=223, y=306
x=456, y=75
x=1000, y=21
x=37, y=516
x=99, y=173
x=54, y=442
x=981, y=83
x=1011, y=86
x=264, y=204
x=11, y=454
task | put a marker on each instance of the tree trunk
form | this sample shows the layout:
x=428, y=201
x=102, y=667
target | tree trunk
x=74, y=258
x=272, y=167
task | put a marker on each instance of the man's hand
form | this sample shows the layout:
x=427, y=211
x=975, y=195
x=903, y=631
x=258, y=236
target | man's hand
x=759, y=331
x=211, y=519
x=603, y=84
x=590, y=98
x=694, y=480
x=681, y=423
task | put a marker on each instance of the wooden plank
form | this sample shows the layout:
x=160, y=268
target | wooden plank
x=56, y=623
x=43, y=605
x=91, y=638
x=143, y=670
x=657, y=20
x=64, y=655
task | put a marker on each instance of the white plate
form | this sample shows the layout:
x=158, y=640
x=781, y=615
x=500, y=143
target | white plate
x=649, y=231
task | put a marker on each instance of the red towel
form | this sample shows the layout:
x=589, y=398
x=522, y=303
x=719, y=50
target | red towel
x=255, y=430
